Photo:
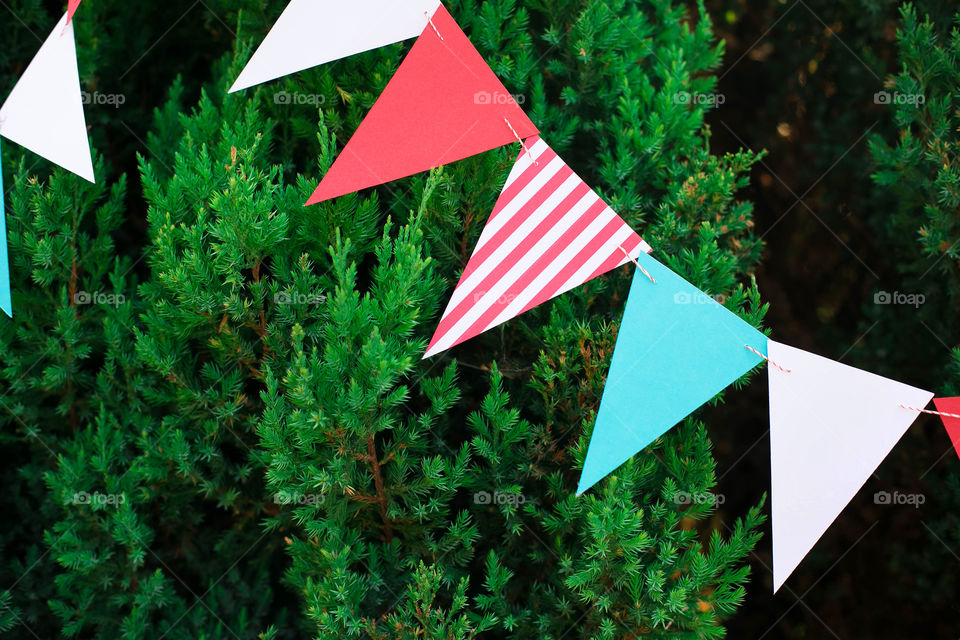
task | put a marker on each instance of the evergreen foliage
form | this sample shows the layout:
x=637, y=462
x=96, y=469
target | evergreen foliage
x=918, y=172
x=218, y=424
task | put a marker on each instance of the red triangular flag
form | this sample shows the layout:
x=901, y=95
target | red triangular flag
x=950, y=405
x=444, y=104
x=71, y=9
x=549, y=232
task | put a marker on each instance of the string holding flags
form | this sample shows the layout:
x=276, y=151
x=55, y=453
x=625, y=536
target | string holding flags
x=549, y=232
x=677, y=348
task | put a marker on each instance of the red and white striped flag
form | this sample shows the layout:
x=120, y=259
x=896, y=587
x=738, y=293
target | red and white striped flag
x=549, y=232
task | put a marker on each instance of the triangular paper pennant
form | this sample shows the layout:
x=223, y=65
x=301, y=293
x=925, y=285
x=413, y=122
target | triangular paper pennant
x=72, y=8
x=548, y=233
x=313, y=32
x=6, y=302
x=443, y=104
x=831, y=426
x=951, y=423
x=676, y=349
x=44, y=112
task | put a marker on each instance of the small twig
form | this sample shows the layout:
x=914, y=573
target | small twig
x=378, y=482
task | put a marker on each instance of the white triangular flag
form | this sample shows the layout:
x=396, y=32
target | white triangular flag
x=44, y=112
x=314, y=32
x=831, y=426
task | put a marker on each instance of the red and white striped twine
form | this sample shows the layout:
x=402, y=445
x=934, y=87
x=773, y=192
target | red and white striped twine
x=933, y=413
x=522, y=143
x=430, y=20
x=767, y=359
x=639, y=266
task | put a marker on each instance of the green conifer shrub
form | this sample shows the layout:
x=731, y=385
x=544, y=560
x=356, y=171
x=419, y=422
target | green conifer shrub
x=918, y=173
x=222, y=427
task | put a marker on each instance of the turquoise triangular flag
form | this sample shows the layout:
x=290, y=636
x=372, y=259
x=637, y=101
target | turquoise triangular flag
x=677, y=348
x=5, y=302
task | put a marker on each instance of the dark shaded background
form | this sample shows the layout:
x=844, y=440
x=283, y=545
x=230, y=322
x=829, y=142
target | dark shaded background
x=799, y=80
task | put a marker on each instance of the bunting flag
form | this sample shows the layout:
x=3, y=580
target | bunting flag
x=950, y=422
x=44, y=112
x=548, y=233
x=443, y=104
x=313, y=32
x=676, y=349
x=72, y=9
x=831, y=426
x=6, y=302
